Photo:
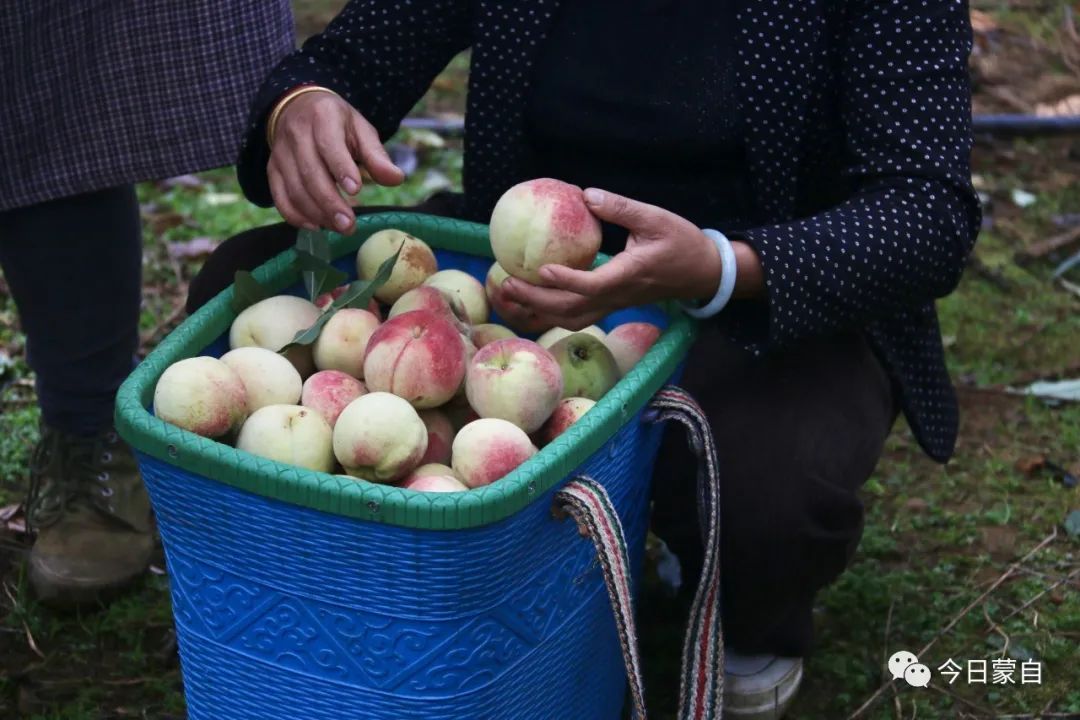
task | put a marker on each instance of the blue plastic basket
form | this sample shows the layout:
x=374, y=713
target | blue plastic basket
x=304, y=595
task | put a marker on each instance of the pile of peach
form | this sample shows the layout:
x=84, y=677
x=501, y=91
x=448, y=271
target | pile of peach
x=435, y=397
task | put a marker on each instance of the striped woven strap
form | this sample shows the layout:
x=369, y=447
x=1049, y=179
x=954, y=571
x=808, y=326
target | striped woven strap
x=702, y=687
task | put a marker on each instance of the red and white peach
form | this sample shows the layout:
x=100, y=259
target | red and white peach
x=515, y=380
x=488, y=449
x=343, y=340
x=269, y=379
x=630, y=341
x=272, y=324
x=202, y=395
x=328, y=392
x=568, y=412
x=541, y=222
x=290, y=434
x=440, y=437
x=418, y=356
x=466, y=290
x=414, y=265
x=379, y=437
x=487, y=333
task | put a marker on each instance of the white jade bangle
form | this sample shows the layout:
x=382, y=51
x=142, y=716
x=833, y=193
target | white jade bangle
x=727, y=278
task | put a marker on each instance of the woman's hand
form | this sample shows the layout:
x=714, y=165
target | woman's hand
x=319, y=145
x=666, y=257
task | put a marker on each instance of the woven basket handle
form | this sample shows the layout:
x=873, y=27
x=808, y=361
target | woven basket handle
x=701, y=695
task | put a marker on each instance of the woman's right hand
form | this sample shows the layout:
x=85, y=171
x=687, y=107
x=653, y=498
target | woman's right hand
x=319, y=145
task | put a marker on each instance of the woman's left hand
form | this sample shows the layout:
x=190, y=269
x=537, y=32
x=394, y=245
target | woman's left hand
x=666, y=258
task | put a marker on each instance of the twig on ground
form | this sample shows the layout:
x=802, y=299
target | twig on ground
x=957, y=618
x=1051, y=244
x=1032, y=600
x=983, y=712
x=997, y=628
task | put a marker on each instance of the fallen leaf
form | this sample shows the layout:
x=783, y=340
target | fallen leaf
x=982, y=22
x=218, y=198
x=160, y=222
x=184, y=181
x=1055, y=390
x=1000, y=541
x=194, y=249
x=1067, y=107
x=1072, y=523
x=1022, y=198
x=917, y=505
x=1030, y=464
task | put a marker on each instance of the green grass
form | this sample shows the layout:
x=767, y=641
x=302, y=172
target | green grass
x=936, y=537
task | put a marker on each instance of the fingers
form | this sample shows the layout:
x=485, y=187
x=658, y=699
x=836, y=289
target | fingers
x=609, y=277
x=284, y=203
x=331, y=144
x=317, y=143
x=637, y=217
x=367, y=146
x=313, y=180
x=546, y=301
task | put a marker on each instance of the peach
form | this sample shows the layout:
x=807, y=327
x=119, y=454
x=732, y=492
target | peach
x=417, y=355
x=323, y=301
x=460, y=412
x=556, y=334
x=432, y=299
x=487, y=449
x=588, y=368
x=269, y=379
x=434, y=483
x=379, y=437
x=432, y=469
x=630, y=341
x=440, y=436
x=507, y=309
x=202, y=395
x=516, y=380
x=414, y=265
x=465, y=289
x=328, y=392
x=272, y=324
x=568, y=412
x=343, y=341
x=290, y=434
x=487, y=333
x=542, y=222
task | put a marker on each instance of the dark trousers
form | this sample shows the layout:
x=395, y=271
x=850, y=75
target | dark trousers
x=74, y=267
x=798, y=432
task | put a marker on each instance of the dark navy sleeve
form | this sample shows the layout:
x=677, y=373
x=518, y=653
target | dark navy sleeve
x=903, y=237
x=380, y=55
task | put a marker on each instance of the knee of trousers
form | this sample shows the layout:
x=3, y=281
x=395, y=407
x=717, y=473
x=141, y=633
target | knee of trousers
x=801, y=534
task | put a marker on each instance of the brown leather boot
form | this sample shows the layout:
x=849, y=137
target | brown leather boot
x=95, y=529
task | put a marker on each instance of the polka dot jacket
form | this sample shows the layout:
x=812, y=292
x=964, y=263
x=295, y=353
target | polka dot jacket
x=869, y=100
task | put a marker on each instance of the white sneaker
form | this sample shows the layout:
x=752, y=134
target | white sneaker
x=759, y=687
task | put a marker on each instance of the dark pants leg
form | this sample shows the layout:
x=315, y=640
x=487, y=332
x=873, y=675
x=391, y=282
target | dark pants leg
x=797, y=434
x=74, y=266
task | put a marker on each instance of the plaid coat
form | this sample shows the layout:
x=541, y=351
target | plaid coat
x=99, y=94
x=856, y=122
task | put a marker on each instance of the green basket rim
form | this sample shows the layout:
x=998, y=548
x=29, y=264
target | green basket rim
x=358, y=498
